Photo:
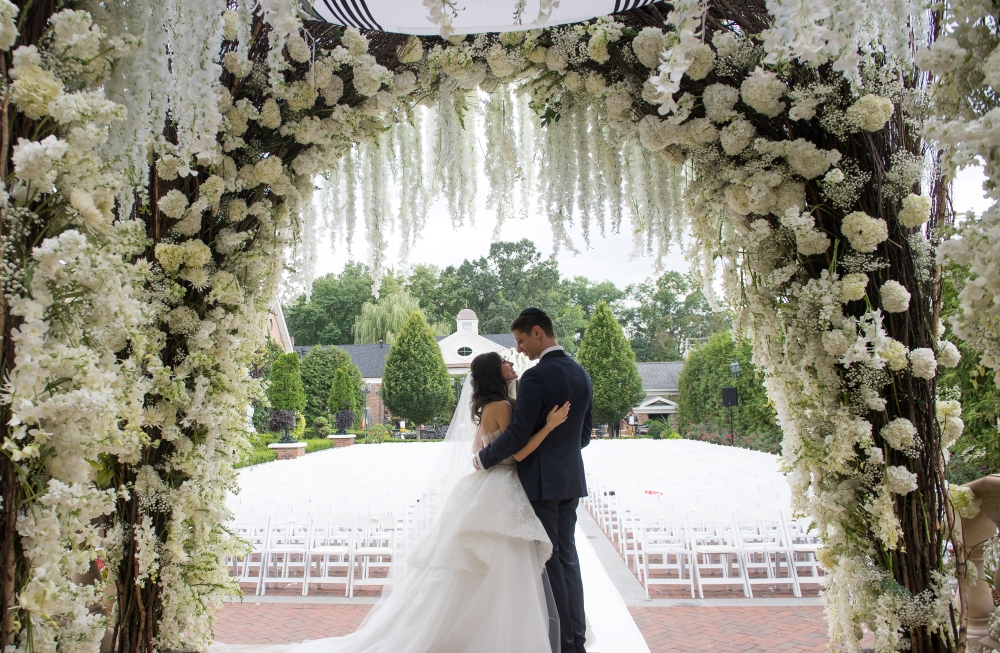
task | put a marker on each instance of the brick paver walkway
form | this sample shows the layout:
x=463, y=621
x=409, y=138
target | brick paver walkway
x=667, y=630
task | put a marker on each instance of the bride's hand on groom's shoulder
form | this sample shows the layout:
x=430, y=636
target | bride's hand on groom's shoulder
x=557, y=415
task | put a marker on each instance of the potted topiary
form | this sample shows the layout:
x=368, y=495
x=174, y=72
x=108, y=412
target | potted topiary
x=283, y=421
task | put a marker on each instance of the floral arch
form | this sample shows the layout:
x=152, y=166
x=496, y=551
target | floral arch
x=165, y=162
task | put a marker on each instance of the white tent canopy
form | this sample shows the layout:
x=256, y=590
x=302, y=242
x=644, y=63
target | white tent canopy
x=474, y=16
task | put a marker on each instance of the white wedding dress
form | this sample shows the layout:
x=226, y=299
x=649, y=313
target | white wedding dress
x=472, y=584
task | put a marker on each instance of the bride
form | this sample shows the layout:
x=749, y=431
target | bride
x=472, y=581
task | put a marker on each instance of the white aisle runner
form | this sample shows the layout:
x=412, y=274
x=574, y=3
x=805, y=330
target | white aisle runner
x=610, y=627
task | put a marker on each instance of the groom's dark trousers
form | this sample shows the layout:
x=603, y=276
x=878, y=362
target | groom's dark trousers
x=553, y=476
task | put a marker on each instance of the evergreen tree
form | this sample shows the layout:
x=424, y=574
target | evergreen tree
x=706, y=371
x=286, y=391
x=416, y=385
x=318, y=369
x=607, y=356
x=342, y=394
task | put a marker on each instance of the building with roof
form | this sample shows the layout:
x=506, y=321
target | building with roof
x=661, y=383
x=458, y=350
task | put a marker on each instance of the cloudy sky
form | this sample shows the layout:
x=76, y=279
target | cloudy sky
x=608, y=258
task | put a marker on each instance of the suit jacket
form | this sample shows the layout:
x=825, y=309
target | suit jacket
x=555, y=469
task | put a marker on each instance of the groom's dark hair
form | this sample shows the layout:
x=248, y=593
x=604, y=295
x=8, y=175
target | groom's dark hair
x=531, y=318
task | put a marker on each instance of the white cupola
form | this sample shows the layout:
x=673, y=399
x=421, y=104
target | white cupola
x=468, y=321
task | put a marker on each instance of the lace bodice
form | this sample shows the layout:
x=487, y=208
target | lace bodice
x=488, y=439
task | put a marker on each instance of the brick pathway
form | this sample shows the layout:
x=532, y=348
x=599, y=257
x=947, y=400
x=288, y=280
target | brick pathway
x=666, y=630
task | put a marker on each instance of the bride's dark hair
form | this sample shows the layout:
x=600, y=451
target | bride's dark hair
x=488, y=384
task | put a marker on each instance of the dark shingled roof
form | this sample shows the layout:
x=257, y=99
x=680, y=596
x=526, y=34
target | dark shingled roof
x=370, y=359
x=661, y=376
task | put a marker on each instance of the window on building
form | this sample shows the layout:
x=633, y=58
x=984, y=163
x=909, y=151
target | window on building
x=465, y=351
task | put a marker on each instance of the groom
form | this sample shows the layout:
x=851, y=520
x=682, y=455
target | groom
x=553, y=475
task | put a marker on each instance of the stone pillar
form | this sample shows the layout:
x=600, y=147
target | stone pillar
x=976, y=531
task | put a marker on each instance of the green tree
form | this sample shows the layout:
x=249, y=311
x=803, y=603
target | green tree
x=380, y=321
x=607, y=356
x=416, y=385
x=286, y=391
x=327, y=316
x=977, y=452
x=260, y=368
x=512, y=276
x=440, y=294
x=706, y=371
x=343, y=394
x=318, y=368
x=666, y=312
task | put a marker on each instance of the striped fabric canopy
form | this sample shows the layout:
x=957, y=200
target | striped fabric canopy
x=474, y=16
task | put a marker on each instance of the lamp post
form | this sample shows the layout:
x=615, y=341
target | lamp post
x=730, y=398
x=366, y=388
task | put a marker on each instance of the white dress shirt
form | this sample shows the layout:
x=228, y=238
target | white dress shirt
x=475, y=457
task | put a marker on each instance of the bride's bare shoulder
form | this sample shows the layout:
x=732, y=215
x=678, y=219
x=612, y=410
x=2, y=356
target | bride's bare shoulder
x=496, y=408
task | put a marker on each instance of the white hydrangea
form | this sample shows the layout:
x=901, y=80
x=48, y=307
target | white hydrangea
x=702, y=59
x=895, y=353
x=298, y=49
x=33, y=88
x=900, y=434
x=334, y=90
x=726, y=43
x=573, y=81
x=412, y=51
x=618, y=102
x=895, y=297
x=354, y=41
x=900, y=480
x=762, y=91
x=871, y=112
x=75, y=35
x=964, y=500
x=33, y=160
x=803, y=109
x=864, y=232
x=403, y=83
x=923, y=362
x=949, y=419
x=648, y=44
x=737, y=136
x=597, y=48
x=948, y=354
x=8, y=26
x=173, y=204
x=806, y=159
x=595, y=84
x=991, y=70
x=916, y=210
x=369, y=75
x=502, y=62
x=270, y=114
x=719, y=100
x=853, y=287
x=230, y=25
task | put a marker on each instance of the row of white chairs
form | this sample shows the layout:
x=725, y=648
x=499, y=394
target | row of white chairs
x=289, y=548
x=701, y=546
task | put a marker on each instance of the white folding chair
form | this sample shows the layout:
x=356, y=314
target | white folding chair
x=252, y=528
x=805, y=543
x=331, y=541
x=665, y=534
x=716, y=548
x=375, y=547
x=764, y=541
x=284, y=553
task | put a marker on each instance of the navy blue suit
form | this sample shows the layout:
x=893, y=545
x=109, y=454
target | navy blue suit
x=553, y=475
